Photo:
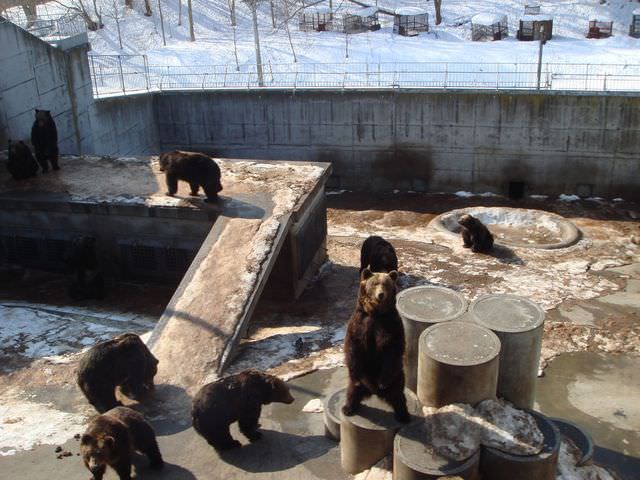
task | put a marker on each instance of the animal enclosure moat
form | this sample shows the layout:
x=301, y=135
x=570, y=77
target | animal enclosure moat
x=589, y=291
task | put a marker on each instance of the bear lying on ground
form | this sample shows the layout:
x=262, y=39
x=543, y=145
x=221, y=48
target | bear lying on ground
x=88, y=280
x=237, y=397
x=124, y=361
x=21, y=164
x=374, y=346
x=44, y=137
x=111, y=438
x=475, y=235
x=378, y=254
x=197, y=169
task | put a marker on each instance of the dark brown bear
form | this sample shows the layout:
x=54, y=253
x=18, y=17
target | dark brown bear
x=88, y=280
x=374, y=346
x=378, y=254
x=197, y=169
x=124, y=361
x=111, y=438
x=21, y=164
x=237, y=397
x=44, y=137
x=475, y=235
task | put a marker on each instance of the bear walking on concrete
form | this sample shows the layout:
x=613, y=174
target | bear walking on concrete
x=112, y=437
x=374, y=346
x=475, y=235
x=198, y=169
x=21, y=164
x=44, y=137
x=124, y=361
x=237, y=397
x=378, y=254
x=88, y=279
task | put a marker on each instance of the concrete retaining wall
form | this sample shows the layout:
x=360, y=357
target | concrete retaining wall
x=424, y=141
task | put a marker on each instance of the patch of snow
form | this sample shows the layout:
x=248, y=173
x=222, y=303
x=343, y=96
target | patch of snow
x=313, y=406
x=451, y=430
x=335, y=192
x=618, y=199
x=463, y=194
x=539, y=197
x=568, y=198
x=488, y=19
x=410, y=11
x=568, y=469
x=538, y=17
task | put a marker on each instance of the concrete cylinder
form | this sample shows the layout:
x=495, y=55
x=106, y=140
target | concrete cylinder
x=457, y=363
x=367, y=436
x=413, y=459
x=333, y=413
x=498, y=465
x=519, y=323
x=419, y=308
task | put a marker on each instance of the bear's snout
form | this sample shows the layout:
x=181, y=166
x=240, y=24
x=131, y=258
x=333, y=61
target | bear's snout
x=380, y=295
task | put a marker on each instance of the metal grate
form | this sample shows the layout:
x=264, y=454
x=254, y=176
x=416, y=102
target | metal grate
x=177, y=259
x=56, y=249
x=144, y=258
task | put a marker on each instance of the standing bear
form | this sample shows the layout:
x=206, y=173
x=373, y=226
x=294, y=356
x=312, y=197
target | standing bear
x=111, y=438
x=198, y=169
x=44, y=137
x=475, y=235
x=124, y=361
x=374, y=346
x=378, y=254
x=235, y=398
x=21, y=164
x=82, y=260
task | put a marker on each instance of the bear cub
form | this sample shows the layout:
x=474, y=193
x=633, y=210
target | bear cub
x=88, y=280
x=237, y=397
x=21, y=164
x=111, y=438
x=378, y=254
x=475, y=235
x=198, y=169
x=374, y=346
x=44, y=137
x=124, y=361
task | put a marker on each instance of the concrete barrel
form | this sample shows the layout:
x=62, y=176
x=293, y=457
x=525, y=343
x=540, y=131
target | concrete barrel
x=367, y=436
x=419, y=308
x=333, y=413
x=413, y=459
x=519, y=324
x=457, y=363
x=498, y=465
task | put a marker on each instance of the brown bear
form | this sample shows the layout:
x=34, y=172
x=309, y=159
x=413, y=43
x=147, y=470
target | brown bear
x=88, y=280
x=198, y=169
x=112, y=437
x=374, y=346
x=237, y=397
x=124, y=361
x=44, y=137
x=475, y=235
x=21, y=164
x=378, y=254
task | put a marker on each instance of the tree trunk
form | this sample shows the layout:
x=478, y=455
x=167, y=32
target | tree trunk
x=256, y=37
x=179, y=12
x=286, y=27
x=164, y=39
x=128, y=3
x=437, y=4
x=147, y=8
x=192, y=34
x=273, y=14
x=99, y=16
x=116, y=17
x=235, y=48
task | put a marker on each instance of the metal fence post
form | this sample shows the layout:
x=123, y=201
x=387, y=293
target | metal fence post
x=146, y=71
x=586, y=76
x=94, y=74
x=121, y=75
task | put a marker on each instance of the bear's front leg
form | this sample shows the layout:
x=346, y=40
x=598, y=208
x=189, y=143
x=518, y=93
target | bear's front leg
x=123, y=468
x=466, y=238
x=249, y=423
x=172, y=184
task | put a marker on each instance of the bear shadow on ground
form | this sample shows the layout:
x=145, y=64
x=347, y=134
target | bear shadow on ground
x=277, y=451
x=167, y=409
x=169, y=471
x=505, y=255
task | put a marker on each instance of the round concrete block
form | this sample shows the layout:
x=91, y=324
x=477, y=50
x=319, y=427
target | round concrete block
x=580, y=438
x=413, y=459
x=419, y=308
x=457, y=363
x=367, y=436
x=333, y=413
x=498, y=465
x=519, y=323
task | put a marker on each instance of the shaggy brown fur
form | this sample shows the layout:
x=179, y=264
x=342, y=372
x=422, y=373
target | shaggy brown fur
x=198, y=169
x=378, y=254
x=475, y=235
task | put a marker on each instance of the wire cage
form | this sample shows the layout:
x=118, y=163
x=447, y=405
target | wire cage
x=634, y=28
x=363, y=20
x=600, y=29
x=489, y=27
x=410, y=21
x=535, y=27
x=317, y=18
x=532, y=9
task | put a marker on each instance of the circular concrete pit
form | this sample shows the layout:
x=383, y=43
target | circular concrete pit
x=498, y=465
x=413, y=459
x=518, y=322
x=580, y=438
x=420, y=307
x=457, y=363
x=367, y=436
x=513, y=227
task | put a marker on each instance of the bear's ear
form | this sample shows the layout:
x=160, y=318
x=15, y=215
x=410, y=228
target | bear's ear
x=394, y=275
x=86, y=439
x=366, y=274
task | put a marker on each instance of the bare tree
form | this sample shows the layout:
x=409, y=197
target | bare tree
x=232, y=11
x=286, y=7
x=77, y=6
x=179, y=12
x=164, y=39
x=114, y=13
x=147, y=8
x=273, y=14
x=98, y=15
x=253, y=6
x=437, y=4
x=192, y=34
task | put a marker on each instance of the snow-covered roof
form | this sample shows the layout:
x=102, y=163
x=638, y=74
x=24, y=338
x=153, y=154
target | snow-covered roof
x=488, y=18
x=536, y=18
x=601, y=19
x=636, y=12
x=410, y=11
x=364, y=12
x=318, y=9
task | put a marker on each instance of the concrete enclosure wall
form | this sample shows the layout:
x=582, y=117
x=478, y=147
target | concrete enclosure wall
x=422, y=140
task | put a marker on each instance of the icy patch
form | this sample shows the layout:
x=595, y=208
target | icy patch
x=334, y=192
x=539, y=197
x=451, y=430
x=313, y=406
x=568, y=198
x=568, y=469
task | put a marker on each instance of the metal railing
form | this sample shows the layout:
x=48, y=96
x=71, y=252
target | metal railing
x=125, y=74
x=49, y=27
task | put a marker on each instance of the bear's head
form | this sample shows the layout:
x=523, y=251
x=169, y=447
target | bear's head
x=165, y=161
x=97, y=451
x=43, y=117
x=467, y=221
x=377, y=291
x=386, y=255
x=276, y=390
